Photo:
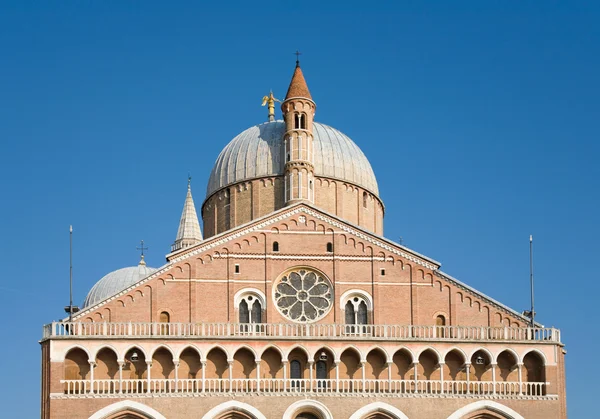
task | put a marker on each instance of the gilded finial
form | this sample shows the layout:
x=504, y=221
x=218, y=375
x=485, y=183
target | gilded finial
x=270, y=100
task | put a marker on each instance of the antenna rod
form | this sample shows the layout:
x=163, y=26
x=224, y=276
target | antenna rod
x=531, y=279
x=70, y=273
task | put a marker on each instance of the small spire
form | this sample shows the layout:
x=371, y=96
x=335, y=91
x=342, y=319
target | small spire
x=142, y=248
x=298, y=86
x=297, y=54
x=189, y=232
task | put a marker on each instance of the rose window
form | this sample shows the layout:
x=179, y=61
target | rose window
x=303, y=295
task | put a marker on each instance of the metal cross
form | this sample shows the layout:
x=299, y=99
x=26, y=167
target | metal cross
x=142, y=248
x=298, y=54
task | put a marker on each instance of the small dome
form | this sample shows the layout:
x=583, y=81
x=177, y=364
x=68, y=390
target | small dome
x=258, y=152
x=115, y=282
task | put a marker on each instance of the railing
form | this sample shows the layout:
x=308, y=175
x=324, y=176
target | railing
x=294, y=331
x=280, y=385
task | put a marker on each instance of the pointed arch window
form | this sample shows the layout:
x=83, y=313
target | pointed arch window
x=356, y=313
x=303, y=121
x=296, y=121
x=244, y=312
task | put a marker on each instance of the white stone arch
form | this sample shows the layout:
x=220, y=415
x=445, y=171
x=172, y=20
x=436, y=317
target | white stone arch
x=329, y=348
x=311, y=406
x=495, y=407
x=130, y=347
x=162, y=345
x=455, y=348
x=251, y=349
x=360, y=354
x=537, y=351
x=355, y=292
x=255, y=292
x=435, y=351
x=127, y=405
x=188, y=346
x=474, y=351
x=276, y=348
x=412, y=354
x=106, y=346
x=216, y=345
x=302, y=348
x=512, y=351
x=236, y=407
x=382, y=349
x=378, y=407
x=70, y=348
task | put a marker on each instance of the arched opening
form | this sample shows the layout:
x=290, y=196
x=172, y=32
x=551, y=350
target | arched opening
x=250, y=312
x=481, y=370
x=270, y=365
x=365, y=200
x=303, y=121
x=107, y=368
x=77, y=368
x=440, y=322
x=330, y=247
x=356, y=312
x=128, y=414
x=216, y=369
x=428, y=370
x=298, y=361
x=454, y=370
x=296, y=121
x=402, y=368
x=508, y=373
x=162, y=369
x=376, y=369
x=135, y=371
x=350, y=370
x=307, y=415
x=534, y=374
x=189, y=370
x=244, y=364
x=276, y=246
x=164, y=319
x=324, y=367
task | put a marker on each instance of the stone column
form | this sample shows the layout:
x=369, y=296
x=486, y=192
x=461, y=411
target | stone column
x=442, y=365
x=92, y=366
x=148, y=375
x=416, y=380
x=176, y=365
x=389, y=371
x=493, y=366
x=363, y=373
x=520, y=367
x=257, y=374
x=337, y=375
x=203, y=375
x=468, y=372
x=121, y=365
x=230, y=368
x=310, y=374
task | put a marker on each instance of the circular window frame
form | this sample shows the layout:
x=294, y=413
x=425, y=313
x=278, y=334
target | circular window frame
x=308, y=269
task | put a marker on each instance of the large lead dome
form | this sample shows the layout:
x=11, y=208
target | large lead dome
x=258, y=152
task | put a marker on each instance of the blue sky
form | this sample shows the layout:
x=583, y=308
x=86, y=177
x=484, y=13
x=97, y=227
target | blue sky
x=480, y=120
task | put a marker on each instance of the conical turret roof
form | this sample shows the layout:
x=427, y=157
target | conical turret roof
x=189, y=232
x=298, y=87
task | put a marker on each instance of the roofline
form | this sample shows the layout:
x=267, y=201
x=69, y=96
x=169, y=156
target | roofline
x=487, y=297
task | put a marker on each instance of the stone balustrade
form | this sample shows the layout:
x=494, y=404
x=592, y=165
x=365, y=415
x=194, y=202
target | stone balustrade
x=395, y=388
x=292, y=331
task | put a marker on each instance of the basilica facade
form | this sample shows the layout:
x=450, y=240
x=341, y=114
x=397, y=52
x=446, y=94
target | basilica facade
x=290, y=303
